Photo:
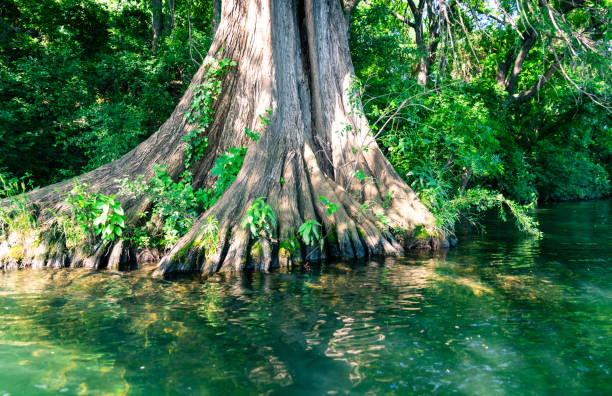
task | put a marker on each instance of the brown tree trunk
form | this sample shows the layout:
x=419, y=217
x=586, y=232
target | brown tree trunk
x=292, y=57
x=157, y=20
x=301, y=69
x=171, y=14
x=423, y=66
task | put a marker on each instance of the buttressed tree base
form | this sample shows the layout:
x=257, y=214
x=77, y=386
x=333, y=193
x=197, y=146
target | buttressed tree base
x=291, y=57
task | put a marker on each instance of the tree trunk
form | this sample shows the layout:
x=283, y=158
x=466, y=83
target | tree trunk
x=157, y=20
x=171, y=14
x=292, y=57
x=423, y=66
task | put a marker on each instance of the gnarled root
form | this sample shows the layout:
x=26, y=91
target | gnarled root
x=352, y=231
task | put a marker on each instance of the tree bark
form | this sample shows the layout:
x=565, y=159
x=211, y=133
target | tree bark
x=529, y=41
x=292, y=57
x=423, y=65
x=425, y=53
x=157, y=20
x=171, y=14
x=535, y=88
x=503, y=68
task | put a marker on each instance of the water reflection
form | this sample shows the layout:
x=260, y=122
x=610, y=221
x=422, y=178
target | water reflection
x=501, y=314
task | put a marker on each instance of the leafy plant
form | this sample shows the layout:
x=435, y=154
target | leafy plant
x=141, y=237
x=254, y=136
x=17, y=217
x=360, y=175
x=265, y=120
x=310, y=232
x=91, y=216
x=226, y=169
x=331, y=207
x=176, y=204
x=471, y=204
x=201, y=112
x=259, y=218
x=210, y=236
x=386, y=203
x=383, y=219
x=110, y=222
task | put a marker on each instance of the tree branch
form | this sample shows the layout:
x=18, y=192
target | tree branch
x=403, y=19
x=529, y=93
x=528, y=43
x=503, y=68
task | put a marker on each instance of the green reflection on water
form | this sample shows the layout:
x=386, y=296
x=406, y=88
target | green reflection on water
x=501, y=314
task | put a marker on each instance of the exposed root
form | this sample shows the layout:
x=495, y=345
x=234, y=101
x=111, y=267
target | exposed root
x=352, y=231
x=47, y=249
x=293, y=58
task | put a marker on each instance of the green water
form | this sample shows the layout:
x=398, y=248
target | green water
x=501, y=314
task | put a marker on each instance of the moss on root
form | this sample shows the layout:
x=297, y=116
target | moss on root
x=17, y=253
x=256, y=252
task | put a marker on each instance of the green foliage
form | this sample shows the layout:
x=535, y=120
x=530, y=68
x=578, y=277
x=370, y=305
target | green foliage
x=310, y=233
x=384, y=220
x=226, y=169
x=360, y=175
x=265, y=121
x=265, y=118
x=386, y=203
x=461, y=145
x=331, y=207
x=210, y=236
x=471, y=204
x=201, y=109
x=254, y=136
x=564, y=174
x=259, y=219
x=175, y=204
x=80, y=84
x=17, y=216
x=110, y=221
x=291, y=246
x=141, y=237
x=91, y=216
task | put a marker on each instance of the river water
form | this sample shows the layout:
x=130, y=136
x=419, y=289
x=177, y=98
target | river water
x=501, y=314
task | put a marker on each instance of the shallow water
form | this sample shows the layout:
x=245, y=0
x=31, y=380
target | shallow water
x=501, y=314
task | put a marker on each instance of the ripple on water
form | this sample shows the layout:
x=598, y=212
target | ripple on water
x=501, y=314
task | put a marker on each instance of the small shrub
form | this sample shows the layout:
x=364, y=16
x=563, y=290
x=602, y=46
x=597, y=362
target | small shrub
x=331, y=207
x=17, y=216
x=259, y=218
x=310, y=233
x=91, y=216
x=176, y=204
x=210, y=236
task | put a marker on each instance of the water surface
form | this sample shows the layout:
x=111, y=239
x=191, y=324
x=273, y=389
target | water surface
x=501, y=314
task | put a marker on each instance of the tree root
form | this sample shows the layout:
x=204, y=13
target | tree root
x=352, y=231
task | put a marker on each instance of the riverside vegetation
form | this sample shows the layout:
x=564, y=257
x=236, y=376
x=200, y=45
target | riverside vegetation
x=82, y=92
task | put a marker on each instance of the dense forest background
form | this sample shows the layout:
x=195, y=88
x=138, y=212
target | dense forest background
x=474, y=103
